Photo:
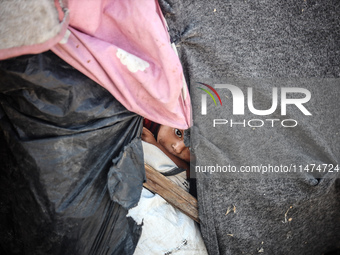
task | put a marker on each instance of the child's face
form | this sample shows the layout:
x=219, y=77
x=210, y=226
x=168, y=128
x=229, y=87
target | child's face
x=172, y=140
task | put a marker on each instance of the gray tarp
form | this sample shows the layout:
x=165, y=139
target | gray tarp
x=264, y=44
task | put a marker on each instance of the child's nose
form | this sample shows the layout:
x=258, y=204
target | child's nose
x=178, y=147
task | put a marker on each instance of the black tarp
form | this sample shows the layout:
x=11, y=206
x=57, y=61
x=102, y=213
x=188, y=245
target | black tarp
x=261, y=45
x=62, y=136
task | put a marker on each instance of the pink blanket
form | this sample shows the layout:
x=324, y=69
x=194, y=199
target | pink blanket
x=125, y=47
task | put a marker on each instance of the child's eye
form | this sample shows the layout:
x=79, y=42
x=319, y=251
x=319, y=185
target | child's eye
x=178, y=133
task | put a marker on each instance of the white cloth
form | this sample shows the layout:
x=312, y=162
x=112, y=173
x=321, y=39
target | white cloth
x=166, y=230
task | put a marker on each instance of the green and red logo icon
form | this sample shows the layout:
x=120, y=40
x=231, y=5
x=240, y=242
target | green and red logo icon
x=209, y=93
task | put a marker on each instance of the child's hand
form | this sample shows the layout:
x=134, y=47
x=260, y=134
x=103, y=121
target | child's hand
x=148, y=137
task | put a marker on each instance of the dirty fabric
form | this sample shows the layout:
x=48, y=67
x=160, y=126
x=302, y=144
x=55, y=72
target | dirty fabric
x=263, y=45
x=125, y=47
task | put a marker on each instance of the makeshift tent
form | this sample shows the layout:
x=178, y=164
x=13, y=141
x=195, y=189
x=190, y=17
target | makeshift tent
x=55, y=200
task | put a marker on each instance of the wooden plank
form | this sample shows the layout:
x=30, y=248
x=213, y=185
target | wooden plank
x=172, y=193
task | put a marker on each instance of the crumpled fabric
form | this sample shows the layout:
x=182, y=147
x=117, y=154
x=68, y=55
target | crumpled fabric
x=166, y=230
x=125, y=47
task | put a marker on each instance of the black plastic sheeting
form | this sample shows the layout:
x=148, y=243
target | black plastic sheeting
x=63, y=139
x=264, y=44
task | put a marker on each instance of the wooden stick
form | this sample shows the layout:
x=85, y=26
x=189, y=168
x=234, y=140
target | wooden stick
x=172, y=193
